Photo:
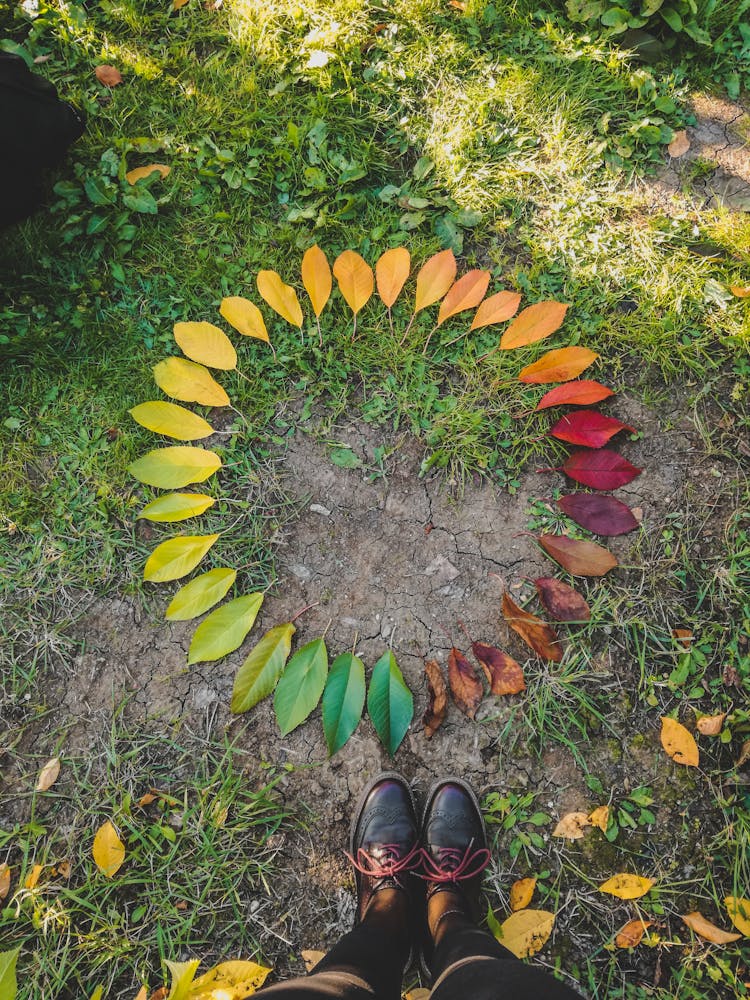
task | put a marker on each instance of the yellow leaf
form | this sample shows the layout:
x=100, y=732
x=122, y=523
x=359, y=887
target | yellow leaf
x=525, y=932
x=434, y=279
x=33, y=877
x=171, y=420
x=176, y=557
x=4, y=879
x=244, y=316
x=600, y=818
x=280, y=297
x=679, y=743
x=496, y=309
x=535, y=323
x=711, y=725
x=134, y=175
x=108, y=850
x=739, y=913
x=355, y=278
x=206, y=344
x=188, y=382
x=48, y=775
x=741, y=291
x=183, y=974
x=316, y=277
x=419, y=994
x=225, y=629
x=311, y=958
x=467, y=292
x=632, y=933
x=97, y=994
x=626, y=886
x=521, y=893
x=391, y=272
x=572, y=826
x=178, y=4
x=705, y=929
x=176, y=507
x=561, y=365
x=175, y=467
x=196, y=597
x=229, y=981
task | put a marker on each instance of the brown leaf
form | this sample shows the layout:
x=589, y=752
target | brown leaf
x=48, y=775
x=679, y=145
x=579, y=558
x=600, y=818
x=4, y=879
x=538, y=634
x=503, y=674
x=438, y=699
x=159, y=994
x=110, y=76
x=64, y=869
x=711, y=725
x=744, y=756
x=679, y=743
x=535, y=323
x=466, y=687
x=572, y=826
x=632, y=933
x=683, y=636
x=311, y=958
x=146, y=800
x=705, y=929
x=496, y=309
x=563, y=602
x=561, y=365
x=521, y=893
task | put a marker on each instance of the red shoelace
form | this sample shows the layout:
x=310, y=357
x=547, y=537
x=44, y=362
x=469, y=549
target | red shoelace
x=391, y=862
x=453, y=865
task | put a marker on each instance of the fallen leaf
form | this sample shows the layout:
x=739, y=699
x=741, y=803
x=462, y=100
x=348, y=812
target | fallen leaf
x=316, y=277
x=33, y=877
x=683, y=636
x=160, y=994
x=175, y=467
x=434, y=279
x=110, y=76
x=467, y=292
x=526, y=932
x=311, y=959
x=178, y=4
x=679, y=145
x=739, y=913
x=4, y=879
x=561, y=365
x=244, y=316
x=626, y=886
x=587, y=428
x=206, y=344
x=228, y=980
x=134, y=175
x=437, y=694
x=504, y=675
x=577, y=557
x=705, y=929
x=572, y=826
x=418, y=994
x=200, y=594
x=602, y=469
x=741, y=291
x=176, y=507
x=64, y=869
x=142, y=994
x=280, y=297
x=600, y=818
x=177, y=557
x=496, y=309
x=604, y=515
x=710, y=725
x=108, y=850
x=632, y=933
x=535, y=323
x=521, y=893
x=146, y=800
x=538, y=634
x=171, y=420
x=48, y=775
x=744, y=756
x=391, y=272
x=563, y=602
x=355, y=278
x=189, y=382
x=582, y=393
x=679, y=743
x=465, y=686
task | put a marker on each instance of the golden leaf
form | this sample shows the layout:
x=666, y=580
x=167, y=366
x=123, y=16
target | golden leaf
x=178, y=4
x=467, y=292
x=391, y=272
x=496, y=309
x=632, y=933
x=355, y=278
x=741, y=291
x=142, y=994
x=420, y=993
x=230, y=980
x=600, y=818
x=206, y=344
x=434, y=279
x=626, y=886
x=280, y=297
x=535, y=323
x=679, y=743
x=311, y=958
x=244, y=316
x=189, y=382
x=4, y=879
x=316, y=277
x=525, y=932
x=561, y=365
x=705, y=929
x=33, y=877
x=175, y=467
x=176, y=557
x=572, y=826
x=521, y=893
x=171, y=420
x=48, y=775
x=108, y=850
x=710, y=725
x=134, y=175
x=739, y=913
x=176, y=507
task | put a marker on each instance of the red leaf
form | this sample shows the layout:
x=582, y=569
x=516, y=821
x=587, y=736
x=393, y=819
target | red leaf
x=579, y=393
x=577, y=557
x=564, y=603
x=588, y=428
x=535, y=633
x=438, y=695
x=602, y=470
x=466, y=687
x=604, y=515
x=504, y=675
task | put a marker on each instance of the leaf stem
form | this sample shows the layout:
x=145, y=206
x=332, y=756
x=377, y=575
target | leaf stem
x=390, y=320
x=320, y=332
x=406, y=331
x=354, y=329
x=273, y=350
x=303, y=610
x=459, y=337
x=429, y=338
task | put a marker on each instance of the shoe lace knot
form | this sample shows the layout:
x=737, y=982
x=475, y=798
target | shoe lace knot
x=390, y=860
x=452, y=864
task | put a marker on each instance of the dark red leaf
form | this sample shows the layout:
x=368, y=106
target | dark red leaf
x=588, y=428
x=504, y=675
x=535, y=633
x=582, y=392
x=604, y=515
x=602, y=469
x=563, y=602
x=438, y=695
x=466, y=687
x=577, y=557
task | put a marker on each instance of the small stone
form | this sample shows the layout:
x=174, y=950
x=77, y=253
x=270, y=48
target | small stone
x=318, y=508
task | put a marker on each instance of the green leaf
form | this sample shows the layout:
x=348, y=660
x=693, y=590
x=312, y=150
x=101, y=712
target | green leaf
x=172, y=468
x=389, y=702
x=343, y=700
x=672, y=18
x=448, y=233
x=8, y=983
x=493, y=924
x=97, y=994
x=183, y=974
x=141, y=200
x=301, y=685
x=617, y=18
x=172, y=420
x=177, y=507
x=176, y=557
x=258, y=675
x=225, y=629
x=345, y=458
x=100, y=191
x=196, y=597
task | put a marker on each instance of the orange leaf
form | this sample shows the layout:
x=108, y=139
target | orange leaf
x=626, y=886
x=632, y=933
x=110, y=76
x=580, y=558
x=535, y=323
x=391, y=272
x=466, y=687
x=684, y=636
x=561, y=365
x=503, y=674
x=311, y=958
x=741, y=291
x=434, y=279
x=705, y=929
x=711, y=725
x=679, y=743
x=134, y=175
x=496, y=309
x=600, y=818
x=316, y=277
x=572, y=826
x=538, y=634
x=4, y=879
x=177, y=4
x=467, y=292
x=33, y=877
x=438, y=699
x=521, y=893
x=355, y=278
x=280, y=297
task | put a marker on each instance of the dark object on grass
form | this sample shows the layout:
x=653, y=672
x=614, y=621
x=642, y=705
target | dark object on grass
x=36, y=129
